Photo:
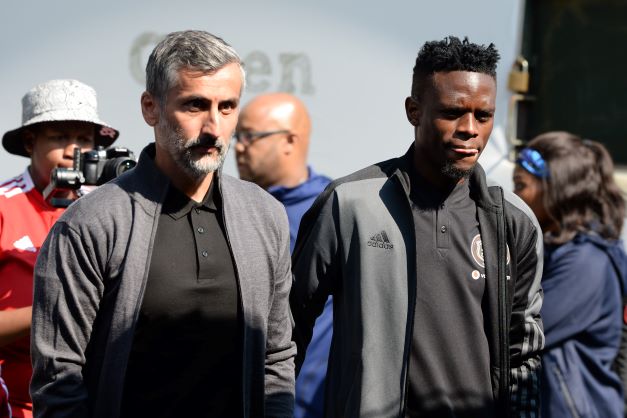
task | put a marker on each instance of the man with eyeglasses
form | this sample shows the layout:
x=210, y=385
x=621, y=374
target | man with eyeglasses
x=271, y=150
x=272, y=142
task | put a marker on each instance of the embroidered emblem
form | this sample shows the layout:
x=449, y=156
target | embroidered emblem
x=380, y=240
x=476, y=249
x=25, y=244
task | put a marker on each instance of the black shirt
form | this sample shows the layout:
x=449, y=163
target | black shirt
x=449, y=367
x=186, y=354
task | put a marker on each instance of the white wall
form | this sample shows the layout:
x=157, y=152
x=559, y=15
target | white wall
x=360, y=56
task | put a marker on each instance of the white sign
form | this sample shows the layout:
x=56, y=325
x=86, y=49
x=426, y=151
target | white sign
x=351, y=62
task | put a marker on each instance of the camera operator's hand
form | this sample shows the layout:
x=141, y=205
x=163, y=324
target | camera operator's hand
x=14, y=324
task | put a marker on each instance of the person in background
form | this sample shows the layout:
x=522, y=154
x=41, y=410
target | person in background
x=5, y=408
x=568, y=183
x=272, y=142
x=164, y=293
x=57, y=116
x=435, y=275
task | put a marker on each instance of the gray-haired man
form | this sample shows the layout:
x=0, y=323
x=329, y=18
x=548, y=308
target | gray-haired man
x=164, y=293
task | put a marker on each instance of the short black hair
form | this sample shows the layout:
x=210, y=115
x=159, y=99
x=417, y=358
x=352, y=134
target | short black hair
x=452, y=54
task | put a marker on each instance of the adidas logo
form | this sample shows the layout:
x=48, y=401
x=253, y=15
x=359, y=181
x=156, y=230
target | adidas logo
x=380, y=240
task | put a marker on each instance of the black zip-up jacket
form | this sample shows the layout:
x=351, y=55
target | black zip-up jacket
x=374, y=290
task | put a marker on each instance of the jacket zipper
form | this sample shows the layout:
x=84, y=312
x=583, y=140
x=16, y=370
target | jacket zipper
x=411, y=313
x=504, y=327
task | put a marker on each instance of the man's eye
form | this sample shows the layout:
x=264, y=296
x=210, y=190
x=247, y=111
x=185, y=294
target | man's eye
x=451, y=114
x=483, y=117
x=244, y=136
x=195, y=104
x=227, y=107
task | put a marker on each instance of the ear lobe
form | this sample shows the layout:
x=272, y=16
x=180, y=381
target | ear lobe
x=150, y=109
x=413, y=111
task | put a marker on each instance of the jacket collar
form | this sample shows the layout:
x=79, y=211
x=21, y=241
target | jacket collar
x=148, y=185
x=477, y=180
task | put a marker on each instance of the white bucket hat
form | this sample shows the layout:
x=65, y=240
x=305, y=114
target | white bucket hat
x=59, y=100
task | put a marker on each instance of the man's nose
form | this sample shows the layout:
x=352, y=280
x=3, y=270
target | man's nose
x=211, y=123
x=468, y=126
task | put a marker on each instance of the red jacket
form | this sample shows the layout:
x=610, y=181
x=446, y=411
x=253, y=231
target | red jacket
x=25, y=219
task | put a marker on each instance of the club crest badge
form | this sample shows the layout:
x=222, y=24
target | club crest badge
x=476, y=249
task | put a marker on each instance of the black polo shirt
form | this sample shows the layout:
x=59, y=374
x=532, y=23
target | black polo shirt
x=449, y=367
x=186, y=355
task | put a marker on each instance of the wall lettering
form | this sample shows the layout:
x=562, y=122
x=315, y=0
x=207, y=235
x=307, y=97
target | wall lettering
x=293, y=72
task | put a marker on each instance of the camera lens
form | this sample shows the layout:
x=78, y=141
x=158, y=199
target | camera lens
x=115, y=167
x=124, y=166
x=66, y=178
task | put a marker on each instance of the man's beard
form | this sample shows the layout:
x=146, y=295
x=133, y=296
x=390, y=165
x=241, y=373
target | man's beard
x=181, y=150
x=449, y=170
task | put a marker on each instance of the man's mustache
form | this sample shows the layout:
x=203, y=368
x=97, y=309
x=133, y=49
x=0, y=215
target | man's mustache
x=205, y=140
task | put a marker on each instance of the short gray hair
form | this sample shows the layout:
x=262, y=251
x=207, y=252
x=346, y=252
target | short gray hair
x=191, y=49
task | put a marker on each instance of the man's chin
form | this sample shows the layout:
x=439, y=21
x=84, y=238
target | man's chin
x=456, y=172
x=201, y=167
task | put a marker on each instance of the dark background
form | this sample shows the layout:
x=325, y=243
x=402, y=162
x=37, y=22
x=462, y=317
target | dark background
x=577, y=52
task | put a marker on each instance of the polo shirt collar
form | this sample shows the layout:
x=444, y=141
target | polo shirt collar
x=177, y=204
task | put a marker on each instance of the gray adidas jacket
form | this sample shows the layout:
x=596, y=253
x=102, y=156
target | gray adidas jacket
x=89, y=283
x=374, y=291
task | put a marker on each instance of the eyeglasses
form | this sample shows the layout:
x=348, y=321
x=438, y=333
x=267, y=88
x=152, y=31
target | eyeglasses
x=248, y=137
x=532, y=161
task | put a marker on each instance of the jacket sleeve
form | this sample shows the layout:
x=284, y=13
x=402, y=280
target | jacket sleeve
x=280, y=350
x=526, y=335
x=620, y=363
x=315, y=268
x=67, y=292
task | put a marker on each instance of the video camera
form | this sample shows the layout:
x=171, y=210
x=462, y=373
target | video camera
x=91, y=168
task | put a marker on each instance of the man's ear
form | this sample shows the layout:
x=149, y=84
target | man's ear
x=150, y=109
x=291, y=142
x=28, y=137
x=413, y=110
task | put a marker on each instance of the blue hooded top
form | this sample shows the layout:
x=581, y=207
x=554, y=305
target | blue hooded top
x=310, y=381
x=297, y=200
x=584, y=281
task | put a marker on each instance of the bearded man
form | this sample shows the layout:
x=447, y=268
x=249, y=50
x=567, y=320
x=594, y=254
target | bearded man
x=165, y=292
